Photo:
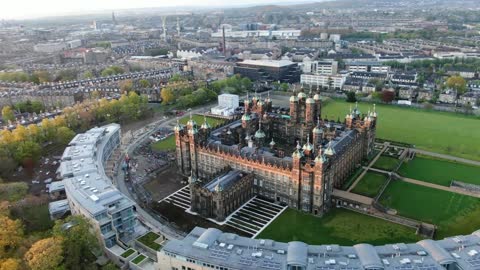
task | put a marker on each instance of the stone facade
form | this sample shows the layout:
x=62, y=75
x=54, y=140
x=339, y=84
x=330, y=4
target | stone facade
x=266, y=142
x=220, y=197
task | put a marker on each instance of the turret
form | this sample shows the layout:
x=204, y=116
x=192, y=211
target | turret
x=260, y=135
x=330, y=151
x=247, y=104
x=308, y=148
x=349, y=118
x=246, y=120
x=317, y=133
x=294, y=108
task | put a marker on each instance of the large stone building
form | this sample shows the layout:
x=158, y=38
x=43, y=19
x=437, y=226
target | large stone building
x=267, y=142
x=224, y=194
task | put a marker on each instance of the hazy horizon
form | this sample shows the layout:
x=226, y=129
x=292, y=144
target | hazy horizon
x=32, y=9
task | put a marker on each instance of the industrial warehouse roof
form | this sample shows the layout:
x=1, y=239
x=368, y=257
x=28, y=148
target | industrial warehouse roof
x=233, y=251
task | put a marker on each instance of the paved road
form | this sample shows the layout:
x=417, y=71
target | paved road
x=143, y=215
x=448, y=157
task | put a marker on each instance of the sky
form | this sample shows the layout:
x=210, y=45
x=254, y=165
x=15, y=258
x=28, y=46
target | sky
x=27, y=9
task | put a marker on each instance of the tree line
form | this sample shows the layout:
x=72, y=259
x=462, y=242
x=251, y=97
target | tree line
x=24, y=145
x=183, y=95
x=60, y=247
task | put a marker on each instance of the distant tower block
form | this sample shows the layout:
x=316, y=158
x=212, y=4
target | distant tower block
x=178, y=27
x=94, y=25
x=114, y=21
x=164, y=25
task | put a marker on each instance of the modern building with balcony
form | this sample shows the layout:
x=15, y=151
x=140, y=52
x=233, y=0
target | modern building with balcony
x=90, y=192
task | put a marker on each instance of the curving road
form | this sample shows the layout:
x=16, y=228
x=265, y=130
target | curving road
x=119, y=180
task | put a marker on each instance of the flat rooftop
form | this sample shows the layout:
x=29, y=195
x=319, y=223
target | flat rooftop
x=233, y=251
x=267, y=63
x=78, y=152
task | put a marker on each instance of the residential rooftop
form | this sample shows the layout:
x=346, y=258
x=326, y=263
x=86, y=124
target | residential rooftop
x=235, y=252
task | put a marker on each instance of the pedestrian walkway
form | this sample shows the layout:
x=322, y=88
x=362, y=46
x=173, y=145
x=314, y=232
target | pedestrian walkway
x=180, y=198
x=254, y=216
x=432, y=185
x=385, y=147
x=448, y=157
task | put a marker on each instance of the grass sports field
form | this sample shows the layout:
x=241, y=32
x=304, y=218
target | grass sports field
x=386, y=163
x=439, y=171
x=441, y=132
x=454, y=214
x=169, y=143
x=370, y=184
x=338, y=226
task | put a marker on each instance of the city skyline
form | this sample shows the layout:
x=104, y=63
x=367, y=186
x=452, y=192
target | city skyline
x=55, y=8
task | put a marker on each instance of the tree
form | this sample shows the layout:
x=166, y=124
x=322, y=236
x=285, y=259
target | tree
x=88, y=74
x=28, y=150
x=10, y=264
x=6, y=137
x=126, y=86
x=64, y=135
x=7, y=114
x=167, y=95
x=458, y=84
x=42, y=75
x=11, y=234
x=45, y=254
x=113, y=70
x=284, y=87
x=387, y=96
x=79, y=244
x=176, y=78
x=20, y=133
x=144, y=83
x=351, y=97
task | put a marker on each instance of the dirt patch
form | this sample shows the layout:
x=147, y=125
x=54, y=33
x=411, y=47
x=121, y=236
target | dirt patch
x=165, y=183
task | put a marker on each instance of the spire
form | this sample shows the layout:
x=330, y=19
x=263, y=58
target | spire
x=177, y=126
x=330, y=151
x=321, y=158
x=272, y=143
x=205, y=124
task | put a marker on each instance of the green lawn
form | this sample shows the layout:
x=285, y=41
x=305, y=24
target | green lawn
x=441, y=132
x=127, y=253
x=165, y=145
x=149, y=240
x=370, y=184
x=453, y=213
x=352, y=178
x=386, y=163
x=138, y=259
x=439, y=171
x=338, y=226
x=169, y=143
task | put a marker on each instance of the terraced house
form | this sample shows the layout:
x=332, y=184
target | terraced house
x=296, y=157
